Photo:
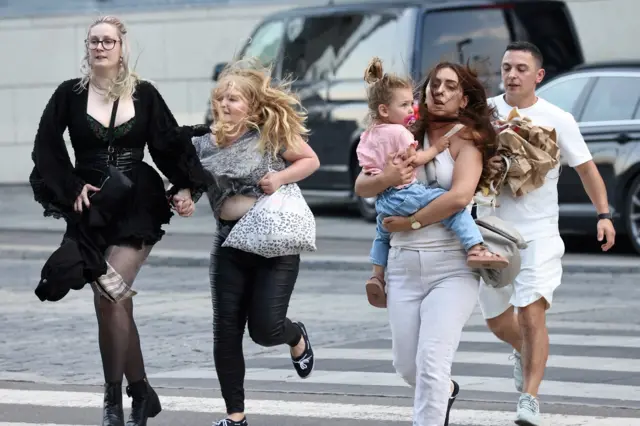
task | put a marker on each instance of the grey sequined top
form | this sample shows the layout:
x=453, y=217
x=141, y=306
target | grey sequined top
x=236, y=169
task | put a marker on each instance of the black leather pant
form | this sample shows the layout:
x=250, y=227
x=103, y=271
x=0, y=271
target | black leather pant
x=247, y=288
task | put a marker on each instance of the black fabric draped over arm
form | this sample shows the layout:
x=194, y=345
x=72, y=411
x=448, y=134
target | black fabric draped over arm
x=172, y=151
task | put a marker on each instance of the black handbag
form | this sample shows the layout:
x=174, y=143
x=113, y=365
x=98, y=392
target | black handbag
x=115, y=186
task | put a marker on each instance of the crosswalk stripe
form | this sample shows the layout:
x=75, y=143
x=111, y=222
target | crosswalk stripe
x=322, y=410
x=380, y=350
x=611, y=327
x=35, y=424
x=489, y=358
x=560, y=339
x=577, y=340
x=469, y=383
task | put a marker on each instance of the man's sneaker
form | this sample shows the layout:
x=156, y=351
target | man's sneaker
x=528, y=413
x=229, y=422
x=305, y=362
x=452, y=399
x=517, y=370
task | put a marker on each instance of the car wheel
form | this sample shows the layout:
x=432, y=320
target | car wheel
x=366, y=206
x=632, y=213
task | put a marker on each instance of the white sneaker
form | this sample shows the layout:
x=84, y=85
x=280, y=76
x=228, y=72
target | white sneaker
x=528, y=413
x=517, y=370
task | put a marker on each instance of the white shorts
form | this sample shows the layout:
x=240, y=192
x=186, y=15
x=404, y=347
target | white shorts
x=540, y=274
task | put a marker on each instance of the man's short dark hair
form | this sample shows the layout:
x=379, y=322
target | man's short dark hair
x=525, y=46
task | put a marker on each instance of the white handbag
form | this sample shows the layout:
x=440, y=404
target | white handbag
x=279, y=224
x=502, y=238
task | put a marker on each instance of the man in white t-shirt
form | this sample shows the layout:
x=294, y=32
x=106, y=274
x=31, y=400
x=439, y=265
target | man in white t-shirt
x=535, y=216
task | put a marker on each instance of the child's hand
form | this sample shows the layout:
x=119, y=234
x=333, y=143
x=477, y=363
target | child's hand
x=442, y=144
x=418, y=161
x=421, y=158
x=411, y=152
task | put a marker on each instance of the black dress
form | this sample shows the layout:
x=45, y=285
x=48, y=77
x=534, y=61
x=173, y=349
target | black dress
x=56, y=182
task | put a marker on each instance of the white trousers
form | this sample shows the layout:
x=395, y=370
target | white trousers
x=430, y=297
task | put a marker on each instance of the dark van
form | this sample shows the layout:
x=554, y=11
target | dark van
x=325, y=49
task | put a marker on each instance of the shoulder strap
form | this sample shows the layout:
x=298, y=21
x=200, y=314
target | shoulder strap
x=112, y=122
x=455, y=129
x=430, y=166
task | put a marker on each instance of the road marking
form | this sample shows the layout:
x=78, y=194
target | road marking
x=469, y=383
x=561, y=339
x=35, y=424
x=612, y=327
x=321, y=410
x=491, y=358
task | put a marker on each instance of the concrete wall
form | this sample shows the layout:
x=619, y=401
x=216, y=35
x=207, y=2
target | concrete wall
x=608, y=29
x=177, y=49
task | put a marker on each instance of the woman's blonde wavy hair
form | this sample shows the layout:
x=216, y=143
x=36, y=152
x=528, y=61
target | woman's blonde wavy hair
x=274, y=111
x=124, y=85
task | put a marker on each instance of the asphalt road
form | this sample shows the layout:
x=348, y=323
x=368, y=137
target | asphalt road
x=50, y=367
x=184, y=242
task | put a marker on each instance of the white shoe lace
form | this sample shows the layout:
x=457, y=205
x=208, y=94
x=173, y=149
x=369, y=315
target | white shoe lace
x=224, y=422
x=303, y=362
x=529, y=403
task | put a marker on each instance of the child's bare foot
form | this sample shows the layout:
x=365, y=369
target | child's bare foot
x=375, y=288
x=479, y=257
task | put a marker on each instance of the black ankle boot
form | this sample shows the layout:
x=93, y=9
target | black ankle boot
x=112, y=414
x=145, y=403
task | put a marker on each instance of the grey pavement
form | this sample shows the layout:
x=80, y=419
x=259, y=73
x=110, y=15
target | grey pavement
x=20, y=212
x=343, y=239
x=49, y=362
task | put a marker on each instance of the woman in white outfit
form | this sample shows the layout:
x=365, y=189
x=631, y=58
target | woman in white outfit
x=431, y=292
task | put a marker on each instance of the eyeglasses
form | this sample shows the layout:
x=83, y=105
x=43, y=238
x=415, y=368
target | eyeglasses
x=107, y=43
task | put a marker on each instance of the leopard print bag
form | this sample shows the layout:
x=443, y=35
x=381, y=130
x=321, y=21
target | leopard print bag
x=279, y=224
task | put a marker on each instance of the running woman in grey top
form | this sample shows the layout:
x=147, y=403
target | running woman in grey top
x=255, y=147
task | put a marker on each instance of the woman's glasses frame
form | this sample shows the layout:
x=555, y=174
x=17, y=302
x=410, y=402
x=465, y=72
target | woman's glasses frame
x=107, y=43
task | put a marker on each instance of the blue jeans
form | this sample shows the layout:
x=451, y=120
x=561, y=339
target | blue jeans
x=407, y=201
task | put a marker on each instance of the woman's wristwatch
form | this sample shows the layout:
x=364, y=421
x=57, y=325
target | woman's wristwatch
x=414, y=223
x=605, y=216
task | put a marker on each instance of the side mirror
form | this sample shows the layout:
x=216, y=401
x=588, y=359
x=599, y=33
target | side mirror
x=217, y=70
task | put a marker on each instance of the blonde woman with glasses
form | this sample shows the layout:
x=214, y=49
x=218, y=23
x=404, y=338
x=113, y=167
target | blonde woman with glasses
x=111, y=199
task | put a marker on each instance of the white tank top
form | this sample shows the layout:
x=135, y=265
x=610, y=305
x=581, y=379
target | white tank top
x=434, y=237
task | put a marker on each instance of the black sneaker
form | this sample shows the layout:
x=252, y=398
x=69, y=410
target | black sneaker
x=229, y=422
x=452, y=399
x=305, y=362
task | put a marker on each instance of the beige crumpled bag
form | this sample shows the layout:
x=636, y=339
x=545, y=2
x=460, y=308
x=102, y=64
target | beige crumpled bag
x=530, y=153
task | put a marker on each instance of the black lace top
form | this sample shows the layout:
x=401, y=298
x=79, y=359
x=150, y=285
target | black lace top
x=56, y=182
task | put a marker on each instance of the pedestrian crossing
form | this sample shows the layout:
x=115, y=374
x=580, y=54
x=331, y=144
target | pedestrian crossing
x=592, y=379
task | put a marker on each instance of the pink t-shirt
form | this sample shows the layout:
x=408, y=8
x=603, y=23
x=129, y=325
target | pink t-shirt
x=380, y=140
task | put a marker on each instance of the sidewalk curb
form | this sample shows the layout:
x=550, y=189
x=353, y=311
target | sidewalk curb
x=184, y=258
x=310, y=261
x=172, y=232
